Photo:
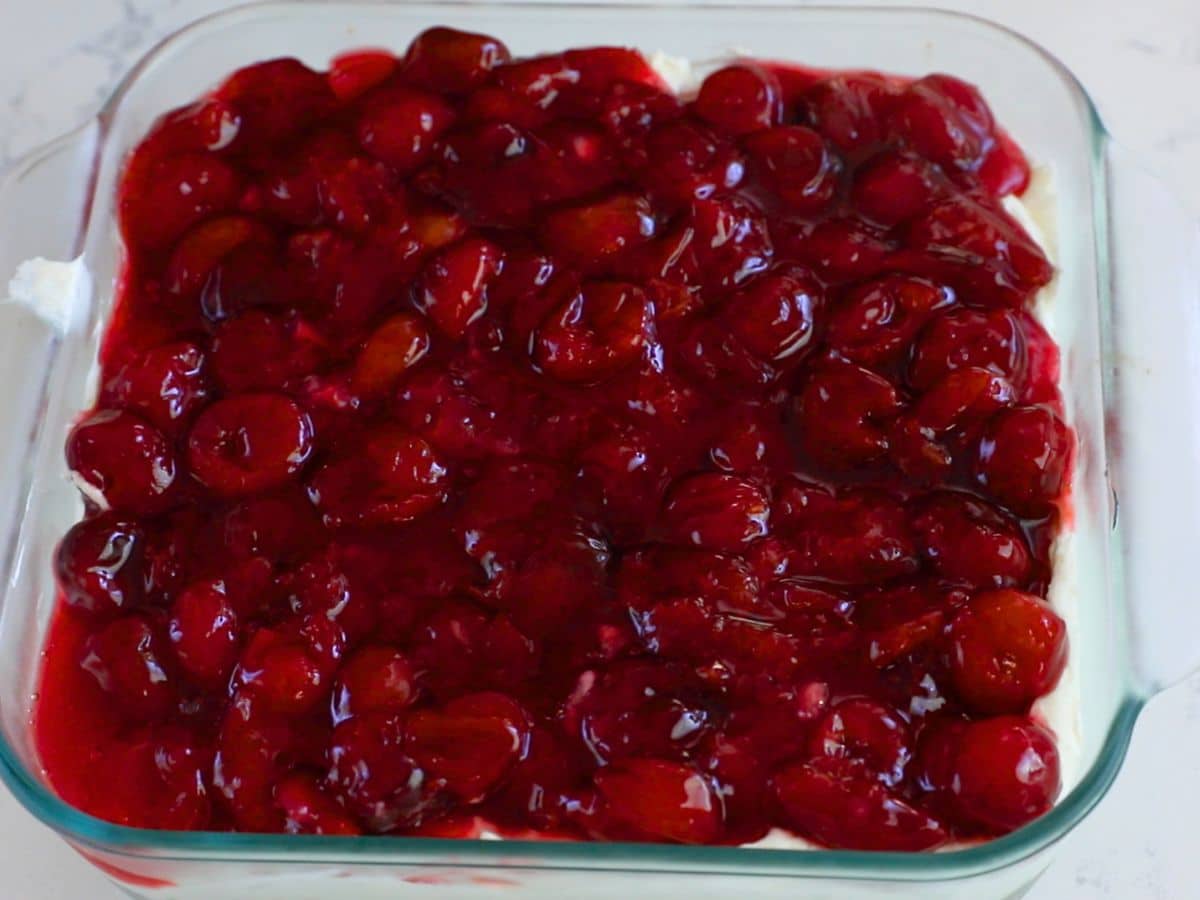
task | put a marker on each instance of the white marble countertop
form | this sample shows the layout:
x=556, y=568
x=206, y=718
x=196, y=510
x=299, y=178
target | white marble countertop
x=1140, y=62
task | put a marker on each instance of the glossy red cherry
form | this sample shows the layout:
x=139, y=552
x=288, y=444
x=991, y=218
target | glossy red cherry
x=731, y=240
x=867, y=731
x=815, y=612
x=1005, y=170
x=166, y=385
x=838, y=804
x=622, y=470
x=743, y=786
x=857, y=538
x=127, y=660
x=996, y=774
x=685, y=161
x=842, y=412
x=482, y=171
x=945, y=120
x=572, y=160
x=121, y=462
x=455, y=631
x=629, y=109
x=659, y=572
x=963, y=396
x=992, y=340
x=453, y=288
x=374, y=679
x=250, y=749
x=343, y=585
x=208, y=124
x=775, y=317
x=717, y=512
x=740, y=99
x=399, y=126
x=896, y=187
x=354, y=192
x=1045, y=364
x=638, y=708
x=842, y=249
x=260, y=351
x=353, y=74
x=751, y=442
x=595, y=331
x=500, y=105
x=1007, y=648
x=848, y=109
x=169, y=553
x=456, y=415
x=982, y=250
x=224, y=264
x=307, y=809
x=541, y=790
x=432, y=224
x=712, y=353
x=285, y=673
x=541, y=451
x=905, y=621
x=253, y=529
x=392, y=349
x=452, y=61
x=159, y=778
x=1023, y=459
x=968, y=541
x=374, y=776
x=471, y=743
x=922, y=441
x=396, y=478
x=248, y=443
x=874, y=324
x=276, y=100
x=99, y=565
x=590, y=235
x=796, y=165
x=543, y=80
x=774, y=722
x=509, y=491
x=544, y=581
x=204, y=632
x=172, y=195
x=573, y=81
x=650, y=798
x=600, y=68
x=720, y=646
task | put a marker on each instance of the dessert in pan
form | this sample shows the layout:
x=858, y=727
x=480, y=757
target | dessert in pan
x=524, y=447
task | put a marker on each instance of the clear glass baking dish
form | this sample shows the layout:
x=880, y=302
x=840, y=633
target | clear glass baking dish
x=1128, y=319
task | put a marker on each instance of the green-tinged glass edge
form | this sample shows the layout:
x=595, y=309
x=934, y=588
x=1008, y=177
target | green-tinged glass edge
x=87, y=831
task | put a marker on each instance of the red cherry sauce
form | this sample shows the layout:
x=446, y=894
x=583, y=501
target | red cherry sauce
x=512, y=441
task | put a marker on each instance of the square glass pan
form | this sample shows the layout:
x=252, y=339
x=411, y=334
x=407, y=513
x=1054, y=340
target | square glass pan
x=60, y=203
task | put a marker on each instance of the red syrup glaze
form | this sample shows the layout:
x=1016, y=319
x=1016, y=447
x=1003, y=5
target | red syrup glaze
x=513, y=442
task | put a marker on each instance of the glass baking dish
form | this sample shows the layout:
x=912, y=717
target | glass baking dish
x=1128, y=321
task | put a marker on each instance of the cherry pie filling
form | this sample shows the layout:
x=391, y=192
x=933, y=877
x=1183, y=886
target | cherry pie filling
x=502, y=441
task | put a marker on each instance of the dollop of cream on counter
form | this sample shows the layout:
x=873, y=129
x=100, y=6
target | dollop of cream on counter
x=50, y=289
